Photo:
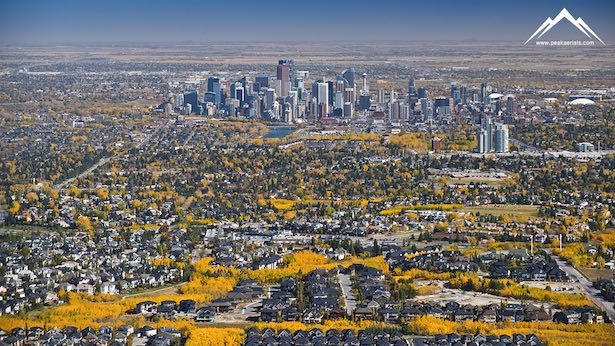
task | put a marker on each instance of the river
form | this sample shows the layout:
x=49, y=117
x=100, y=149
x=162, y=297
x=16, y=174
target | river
x=279, y=131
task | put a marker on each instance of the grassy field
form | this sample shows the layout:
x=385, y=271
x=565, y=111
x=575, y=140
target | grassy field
x=156, y=291
x=594, y=274
x=504, y=209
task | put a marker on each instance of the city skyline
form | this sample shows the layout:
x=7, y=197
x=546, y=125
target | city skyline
x=269, y=173
x=39, y=22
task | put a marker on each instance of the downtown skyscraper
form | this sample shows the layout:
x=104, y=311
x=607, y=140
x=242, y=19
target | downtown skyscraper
x=283, y=76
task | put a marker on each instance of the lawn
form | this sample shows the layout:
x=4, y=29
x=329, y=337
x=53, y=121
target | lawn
x=504, y=209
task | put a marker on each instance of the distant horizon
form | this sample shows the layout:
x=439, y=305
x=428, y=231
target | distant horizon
x=276, y=42
x=38, y=22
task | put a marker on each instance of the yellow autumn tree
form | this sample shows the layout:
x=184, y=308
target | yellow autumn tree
x=215, y=337
x=103, y=193
x=84, y=223
x=32, y=196
x=14, y=210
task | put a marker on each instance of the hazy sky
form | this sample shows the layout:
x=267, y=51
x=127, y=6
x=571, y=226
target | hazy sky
x=60, y=21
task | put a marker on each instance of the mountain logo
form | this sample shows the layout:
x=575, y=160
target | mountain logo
x=549, y=23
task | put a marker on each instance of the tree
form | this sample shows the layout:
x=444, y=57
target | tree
x=376, y=251
x=84, y=223
x=32, y=196
x=103, y=193
x=14, y=210
x=600, y=262
x=357, y=247
x=74, y=191
x=468, y=285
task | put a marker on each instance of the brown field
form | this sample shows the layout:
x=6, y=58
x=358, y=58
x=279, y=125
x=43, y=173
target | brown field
x=430, y=55
x=594, y=274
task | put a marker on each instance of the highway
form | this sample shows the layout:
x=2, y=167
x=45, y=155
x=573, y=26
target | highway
x=591, y=293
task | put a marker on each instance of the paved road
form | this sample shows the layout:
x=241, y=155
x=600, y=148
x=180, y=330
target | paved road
x=524, y=146
x=251, y=309
x=189, y=136
x=66, y=182
x=104, y=160
x=346, y=285
x=591, y=293
x=8, y=230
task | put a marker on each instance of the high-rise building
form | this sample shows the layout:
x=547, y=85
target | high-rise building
x=331, y=93
x=426, y=109
x=455, y=94
x=441, y=102
x=394, y=111
x=349, y=95
x=501, y=138
x=474, y=96
x=179, y=100
x=404, y=112
x=252, y=104
x=485, y=135
x=283, y=77
x=380, y=96
x=300, y=78
x=422, y=93
x=339, y=100
x=482, y=141
x=340, y=85
x=510, y=105
x=484, y=97
x=168, y=108
x=191, y=98
x=323, y=98
x=348, y=109
x=350, y=75
x=240, y=94
x=248, y=88
x=269, y=99
x=412, y=94
x=365, y=88
x=442, y=106
x=213, y=86
x=263, y=80
x=293, y=97
x=287, y=112
x=364, y=102
x=291, y=65
x=209, y=97
x=315, y=87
